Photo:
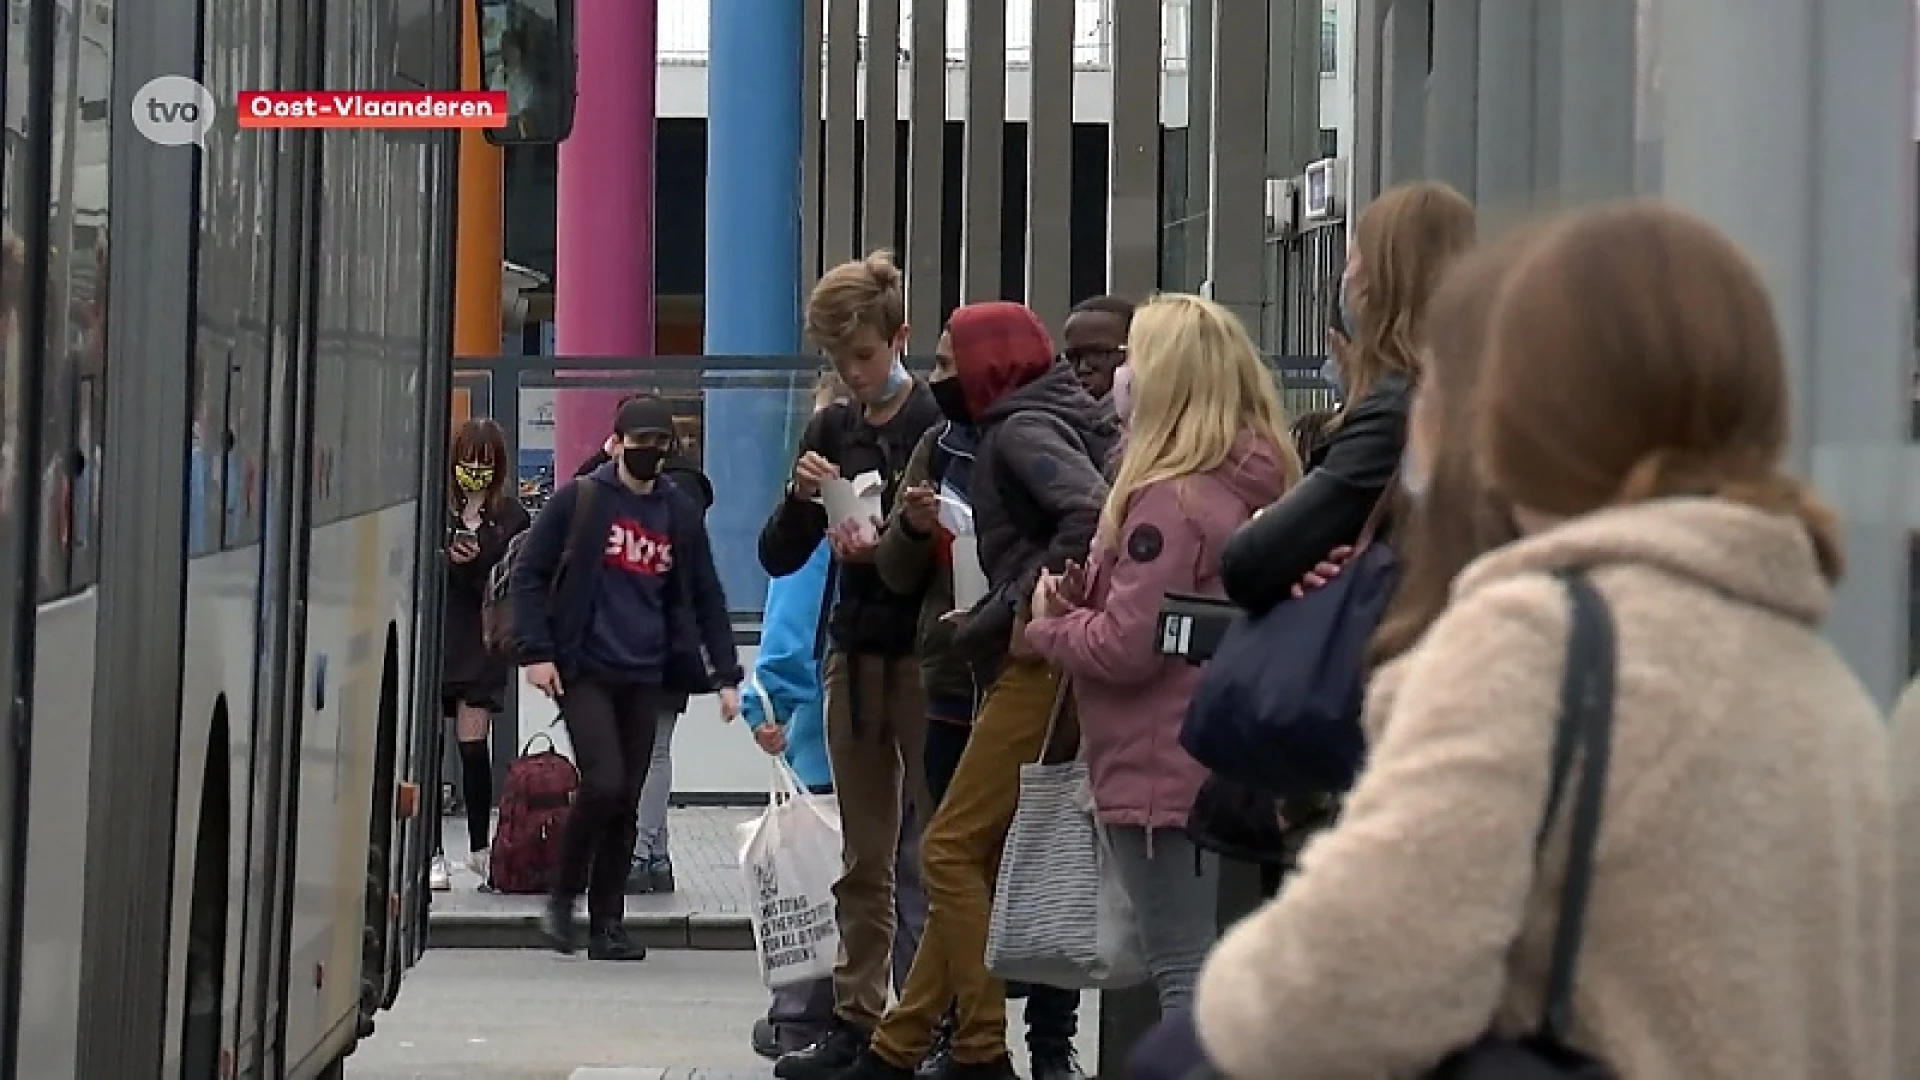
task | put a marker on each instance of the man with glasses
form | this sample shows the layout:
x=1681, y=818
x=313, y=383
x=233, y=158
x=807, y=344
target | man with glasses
x=1095, y=336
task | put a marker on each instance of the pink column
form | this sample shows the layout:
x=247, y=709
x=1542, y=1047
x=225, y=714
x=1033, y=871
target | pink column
x=604, y=285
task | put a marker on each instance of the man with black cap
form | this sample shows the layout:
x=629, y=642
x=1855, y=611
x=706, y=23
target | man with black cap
x=652, y=858
x=638, y=614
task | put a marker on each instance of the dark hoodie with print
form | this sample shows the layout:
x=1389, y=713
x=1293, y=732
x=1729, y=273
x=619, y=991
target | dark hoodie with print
x=1038, y=480
x=681, y=471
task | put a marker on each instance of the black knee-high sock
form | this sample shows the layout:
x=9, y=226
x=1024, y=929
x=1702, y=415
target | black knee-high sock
x=439, y=813
x=476, y=783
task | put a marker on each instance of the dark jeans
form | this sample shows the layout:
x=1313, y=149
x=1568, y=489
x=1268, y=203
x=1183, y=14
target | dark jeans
x=611, y=727
x=1053, y=1014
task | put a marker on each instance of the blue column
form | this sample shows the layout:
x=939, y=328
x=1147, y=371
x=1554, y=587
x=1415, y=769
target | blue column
x=754, y=117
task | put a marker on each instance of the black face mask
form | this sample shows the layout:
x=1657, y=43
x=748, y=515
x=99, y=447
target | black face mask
x=643, y=462
x=952, y=400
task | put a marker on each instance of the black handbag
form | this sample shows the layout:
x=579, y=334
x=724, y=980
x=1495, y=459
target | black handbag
x=1248, y=825
x=1586, y=727
x=1585, y=724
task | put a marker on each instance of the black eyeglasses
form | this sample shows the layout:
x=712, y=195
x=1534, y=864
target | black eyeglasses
x=1079, y=356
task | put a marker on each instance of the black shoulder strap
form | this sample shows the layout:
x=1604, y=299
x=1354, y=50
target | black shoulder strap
x=1586, y=726
x=578, y=527
x=828, y=595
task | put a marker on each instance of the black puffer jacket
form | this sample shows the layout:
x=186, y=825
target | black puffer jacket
x=1328, y=508
x=1037, y=485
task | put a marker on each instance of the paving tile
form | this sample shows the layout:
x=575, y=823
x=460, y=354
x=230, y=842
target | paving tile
x=705, y=863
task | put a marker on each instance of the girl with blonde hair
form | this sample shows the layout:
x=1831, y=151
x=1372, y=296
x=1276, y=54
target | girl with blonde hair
x=1208, y=444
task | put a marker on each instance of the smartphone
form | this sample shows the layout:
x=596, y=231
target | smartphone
x=465, y=536
x=1191, y=627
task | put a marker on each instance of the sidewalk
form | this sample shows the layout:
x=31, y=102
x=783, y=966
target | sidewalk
x=709, y=910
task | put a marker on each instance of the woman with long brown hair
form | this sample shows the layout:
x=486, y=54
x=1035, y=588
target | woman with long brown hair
x=1633, y=415
x=481, y=517
x=1405, y=241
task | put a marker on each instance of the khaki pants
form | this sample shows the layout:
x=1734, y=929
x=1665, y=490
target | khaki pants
x=876, y=742
x=960, y=857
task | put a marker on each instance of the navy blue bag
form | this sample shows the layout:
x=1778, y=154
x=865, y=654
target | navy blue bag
x=1278, y=707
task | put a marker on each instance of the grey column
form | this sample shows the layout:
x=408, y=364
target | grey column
x=1451, y=115
x=1194, y=227
x=1050, y=164
x=926, y=172
x=812, y=35
x=983, y=193
x=837, y=225
x=1795, y=134
x=1504, y=137
x=1133, y=171
x=1548, y=96
x=1596, y=62
x=1369, y=84
x=1404, y=42
x=1293, y=85
x=1236, y=183
x=878, y=197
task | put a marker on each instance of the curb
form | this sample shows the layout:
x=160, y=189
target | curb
x=521, y=930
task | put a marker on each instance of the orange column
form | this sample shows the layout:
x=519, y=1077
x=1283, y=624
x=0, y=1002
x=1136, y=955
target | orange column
x=482, y=207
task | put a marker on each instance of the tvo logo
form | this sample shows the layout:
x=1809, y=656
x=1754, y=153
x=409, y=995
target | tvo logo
x=174, y=110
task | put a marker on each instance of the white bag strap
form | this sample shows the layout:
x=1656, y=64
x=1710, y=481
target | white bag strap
x=1053, y=717
x=786, y=783
x=766, y=702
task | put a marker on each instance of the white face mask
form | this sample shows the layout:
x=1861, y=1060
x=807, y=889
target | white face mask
x=1413, y=479
x=1123, y=393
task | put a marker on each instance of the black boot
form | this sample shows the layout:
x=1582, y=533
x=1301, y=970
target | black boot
x=766, y=1039
x=835, y=1053
x=1054, y=1061
x=871, y=1066
x=639, y=877
x=1000, y=1068
x=610, y=942
x=556, y=925
x=940, y=1055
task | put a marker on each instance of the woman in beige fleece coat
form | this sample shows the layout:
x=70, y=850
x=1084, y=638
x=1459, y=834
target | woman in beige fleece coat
x=1634, y=412
x=1906, y=815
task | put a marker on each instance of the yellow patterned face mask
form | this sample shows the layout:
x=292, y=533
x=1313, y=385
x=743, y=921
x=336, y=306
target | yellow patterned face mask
x=473, y=477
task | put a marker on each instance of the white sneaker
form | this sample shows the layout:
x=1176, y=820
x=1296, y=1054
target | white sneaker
x=439, y=878
x=477, y=862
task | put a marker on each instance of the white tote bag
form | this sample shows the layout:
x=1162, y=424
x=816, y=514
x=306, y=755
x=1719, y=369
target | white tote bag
x=790, y=857
x=1061, y=915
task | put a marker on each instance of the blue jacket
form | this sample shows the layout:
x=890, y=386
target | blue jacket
x=786, y=677
x=550, y=624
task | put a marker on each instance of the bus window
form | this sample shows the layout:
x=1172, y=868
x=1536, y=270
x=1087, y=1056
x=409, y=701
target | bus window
x=73, y=386
x=526, y=51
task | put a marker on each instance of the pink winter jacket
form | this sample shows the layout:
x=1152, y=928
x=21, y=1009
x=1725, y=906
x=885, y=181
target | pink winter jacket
x=1131, y=700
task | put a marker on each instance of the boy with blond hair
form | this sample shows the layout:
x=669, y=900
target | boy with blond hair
x=875, y=708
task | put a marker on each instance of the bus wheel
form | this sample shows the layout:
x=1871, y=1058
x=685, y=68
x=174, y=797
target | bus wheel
x=379, y=936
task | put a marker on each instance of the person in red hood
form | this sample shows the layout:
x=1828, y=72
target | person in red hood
x=1207, y=446
x=1036, y=488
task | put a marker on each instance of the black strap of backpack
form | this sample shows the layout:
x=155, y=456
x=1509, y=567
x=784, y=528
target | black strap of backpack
x=1585, y=725
x=578, y=526
x=827, y=597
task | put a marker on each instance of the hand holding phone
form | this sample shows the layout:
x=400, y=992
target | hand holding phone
x=465, y=545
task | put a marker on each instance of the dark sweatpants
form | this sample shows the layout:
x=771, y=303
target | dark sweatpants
x=611, y=726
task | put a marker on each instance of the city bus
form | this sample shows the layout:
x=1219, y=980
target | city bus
x=223, y=393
